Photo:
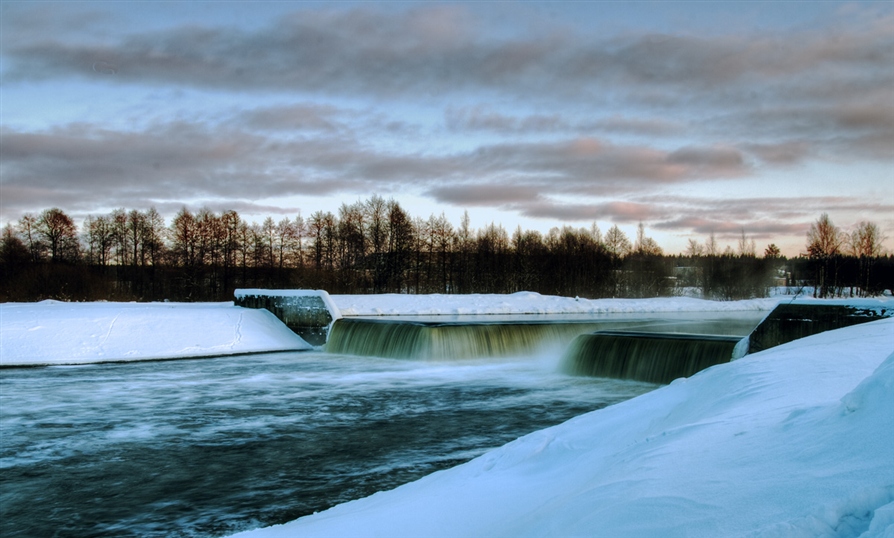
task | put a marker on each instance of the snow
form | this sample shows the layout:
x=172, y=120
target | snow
x=530, y=303
x=795, y=441
x=53, y=332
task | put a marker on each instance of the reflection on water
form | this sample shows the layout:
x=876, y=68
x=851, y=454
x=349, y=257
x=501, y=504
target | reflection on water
x=210, y=447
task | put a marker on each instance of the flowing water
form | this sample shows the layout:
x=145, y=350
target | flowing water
x=209, y=447
x=650, y=357
x=214, y=446
x=494, y=336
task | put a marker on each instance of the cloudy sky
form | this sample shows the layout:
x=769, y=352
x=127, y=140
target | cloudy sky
x=691, y=117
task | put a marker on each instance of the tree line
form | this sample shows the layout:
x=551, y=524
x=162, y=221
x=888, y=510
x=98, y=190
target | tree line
x=376, y=246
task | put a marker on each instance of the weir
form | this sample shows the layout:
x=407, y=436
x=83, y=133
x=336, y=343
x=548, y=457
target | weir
x=434, y=340
x=649, y=357
x=308, y=313
x=799, y=319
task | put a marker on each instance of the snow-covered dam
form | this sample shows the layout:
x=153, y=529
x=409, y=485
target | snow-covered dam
x=654, y=349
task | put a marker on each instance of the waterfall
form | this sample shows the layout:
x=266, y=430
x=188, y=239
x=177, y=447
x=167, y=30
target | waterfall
x=432, y=340
x=650, y=357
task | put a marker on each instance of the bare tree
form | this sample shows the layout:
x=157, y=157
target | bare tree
x=693, y=249
x=747, y=247
x=616, y=242
x=134, y=230
x=596, y=233
x=824, y=238
x=153, y=238
x=443, y=240
x=824, y=242
x=300, y=228
x=866, y=240
x=865, y=243
x=60, y=233
x=711, y=247
x=285, y=241
x=12, y=249
x=28, y=230
x=401, y=237
x=99, y=236
x=376, y=209
x=184, y=238
x=120, y=237
x=316, y=226
x=645, y=245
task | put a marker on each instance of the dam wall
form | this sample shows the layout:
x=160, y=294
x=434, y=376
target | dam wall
x=649, y=357
x=799, y=319
x=431, y=340
x=308, y=313
x=661, y=358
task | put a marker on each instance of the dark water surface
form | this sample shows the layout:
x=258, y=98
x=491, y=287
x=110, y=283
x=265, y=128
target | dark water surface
x=214, y=446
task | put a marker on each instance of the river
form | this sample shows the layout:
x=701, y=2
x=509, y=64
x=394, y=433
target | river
x=208, y=447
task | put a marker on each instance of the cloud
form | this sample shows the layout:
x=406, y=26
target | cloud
x=618, y=212
x=783, y=153
x=760, y=217
x=436, y=100
x=483, y=119
x=438, y=49
x=484, y=195
x=715, y=160
x=181, y=160
x=827, y=89
x=171, y=161
x=732, y=229
x=297, y=117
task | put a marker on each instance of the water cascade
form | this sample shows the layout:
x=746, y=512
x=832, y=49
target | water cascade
x=650, y=357
x=435, y=340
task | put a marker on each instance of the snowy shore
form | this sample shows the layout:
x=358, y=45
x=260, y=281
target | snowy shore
x=795, y=441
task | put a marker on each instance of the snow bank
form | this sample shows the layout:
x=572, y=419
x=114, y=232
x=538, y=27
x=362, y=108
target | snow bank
x=530, y=303
x=795, y=441
x=52, y=332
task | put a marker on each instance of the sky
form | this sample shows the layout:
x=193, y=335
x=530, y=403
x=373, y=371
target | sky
x=691, y=117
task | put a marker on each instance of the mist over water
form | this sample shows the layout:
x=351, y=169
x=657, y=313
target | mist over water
x=214, y=446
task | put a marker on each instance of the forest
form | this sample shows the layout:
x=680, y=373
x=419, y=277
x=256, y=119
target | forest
x=376, y=246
